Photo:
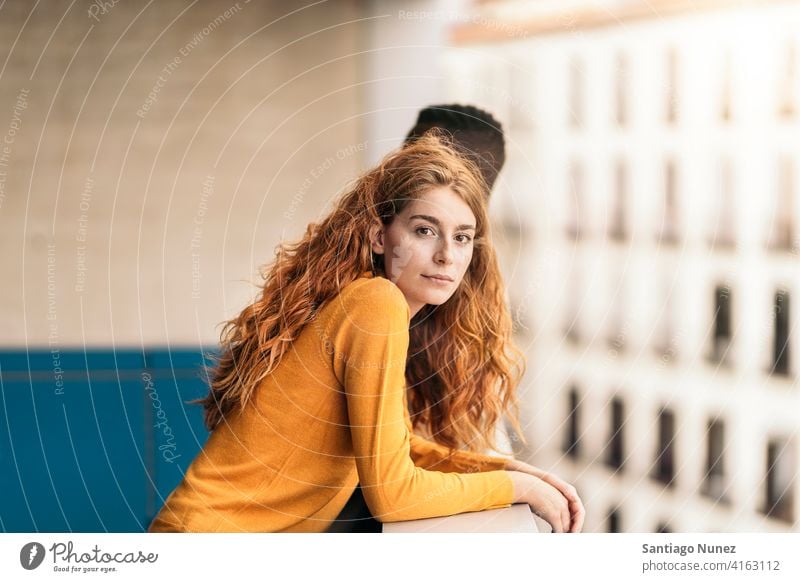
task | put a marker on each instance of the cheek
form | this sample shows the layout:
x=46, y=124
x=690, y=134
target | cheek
x=402, y=247
x=465, y=257
x=401, y=253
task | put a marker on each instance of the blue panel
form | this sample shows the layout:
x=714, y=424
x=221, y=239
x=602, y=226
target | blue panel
x=43, y=365
x=178, y=358
x=19, y=497
x=43, y=359
x=99, y=450
x=78, y=457
x=13, y=360
x=114, y=360
x=178, y=429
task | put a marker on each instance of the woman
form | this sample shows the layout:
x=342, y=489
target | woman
x=397, y=287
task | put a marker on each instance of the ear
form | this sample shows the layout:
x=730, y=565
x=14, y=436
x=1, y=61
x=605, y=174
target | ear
x=376, y=234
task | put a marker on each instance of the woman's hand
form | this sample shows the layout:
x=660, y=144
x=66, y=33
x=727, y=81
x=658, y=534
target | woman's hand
x=574, y=503
x=545, y=500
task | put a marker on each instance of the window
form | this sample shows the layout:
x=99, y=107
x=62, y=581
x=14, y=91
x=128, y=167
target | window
x=576, y=90
x=618, y=226
x=664, y=469
x=621, y=90
x=723, y=227
x=575, y=197
x=572, y=441
x=787, y=83
x=520, y=104
x=572, y=330
x=615, y=449
x=666, y=344
x=726, y=106
x=721, y=340
x=714, y=481
x=781, y=352
x=780, y=480
x=617, y=329
x=668, y=229
x=614, y=520
x=672, y=86
x=781, y=222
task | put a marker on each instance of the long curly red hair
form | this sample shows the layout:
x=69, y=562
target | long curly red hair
x=463, y=368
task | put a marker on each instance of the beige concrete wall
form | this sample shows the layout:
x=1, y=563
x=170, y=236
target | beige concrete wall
x=151, y=157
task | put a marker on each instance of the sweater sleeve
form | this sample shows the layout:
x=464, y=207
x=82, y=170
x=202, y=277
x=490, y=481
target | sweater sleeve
x=435, y=457
x=370, y=348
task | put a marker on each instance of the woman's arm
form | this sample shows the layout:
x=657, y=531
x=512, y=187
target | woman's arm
x=370, y=346
x=369, y=350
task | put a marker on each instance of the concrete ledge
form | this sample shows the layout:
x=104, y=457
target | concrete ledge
x=515, y=519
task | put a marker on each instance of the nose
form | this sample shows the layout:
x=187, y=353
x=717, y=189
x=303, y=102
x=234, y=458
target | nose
x=444, y=253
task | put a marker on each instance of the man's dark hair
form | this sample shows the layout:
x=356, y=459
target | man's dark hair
x=474, y=131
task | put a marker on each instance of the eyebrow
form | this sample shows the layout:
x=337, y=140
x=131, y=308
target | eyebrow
x=437, y=222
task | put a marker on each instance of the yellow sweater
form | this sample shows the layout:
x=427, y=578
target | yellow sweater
x=331, y=415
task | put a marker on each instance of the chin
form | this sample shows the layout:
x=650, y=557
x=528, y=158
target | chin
x=436, y=298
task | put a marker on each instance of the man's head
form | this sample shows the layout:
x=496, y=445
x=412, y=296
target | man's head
x=474, y=131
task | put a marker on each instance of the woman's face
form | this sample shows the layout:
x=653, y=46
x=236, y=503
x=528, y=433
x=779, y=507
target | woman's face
x=428, y=247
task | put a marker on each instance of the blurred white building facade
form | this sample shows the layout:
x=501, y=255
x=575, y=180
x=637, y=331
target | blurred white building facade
x=648, y=222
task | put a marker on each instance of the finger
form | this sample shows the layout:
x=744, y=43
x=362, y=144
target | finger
x=562, y=511
x=581, y=520
x=573, y=493
x=546, y=516
x=565, y=488
x=570, y=492
x=569, y=496
x=576, y=520
x=554, y=518
x=555, y=523
x=578, y=516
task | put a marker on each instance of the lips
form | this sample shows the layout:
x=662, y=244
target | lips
x=442, y=278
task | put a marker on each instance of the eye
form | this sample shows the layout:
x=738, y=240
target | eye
x=420, y=229
x=464, y=238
